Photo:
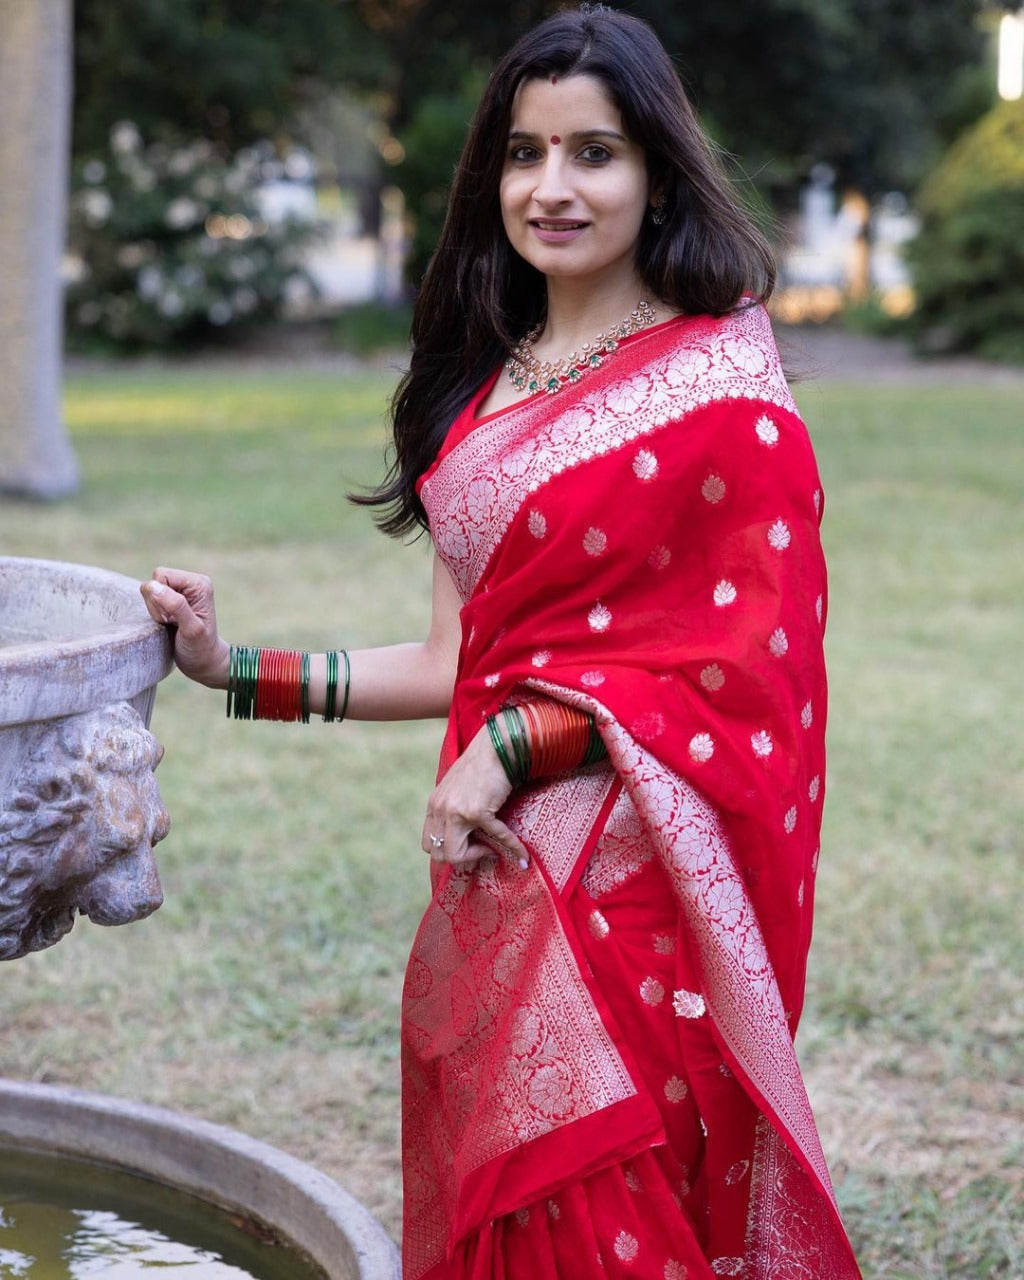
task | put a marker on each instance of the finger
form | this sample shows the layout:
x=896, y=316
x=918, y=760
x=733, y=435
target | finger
x=500, y=834
x=183, y=580
x=170, y=606
x=151, y=592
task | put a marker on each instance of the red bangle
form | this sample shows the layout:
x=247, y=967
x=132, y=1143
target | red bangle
x=279, y=685
x=559, y=736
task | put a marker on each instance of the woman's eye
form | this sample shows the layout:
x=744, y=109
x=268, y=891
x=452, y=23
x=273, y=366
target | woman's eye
x=522, y=155
x=595, y=154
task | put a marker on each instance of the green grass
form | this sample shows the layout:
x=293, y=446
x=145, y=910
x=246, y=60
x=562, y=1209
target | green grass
x=265, y=992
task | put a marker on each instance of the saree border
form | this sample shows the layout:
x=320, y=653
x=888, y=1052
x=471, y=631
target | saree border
x=742, y=993
x=483, y=483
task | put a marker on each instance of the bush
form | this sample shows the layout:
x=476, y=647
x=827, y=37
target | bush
x=432, y=143
x=373, y=327
x=968, y=260
x=169, y=245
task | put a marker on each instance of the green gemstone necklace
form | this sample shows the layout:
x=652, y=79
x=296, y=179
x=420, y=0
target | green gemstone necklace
x=528, y=374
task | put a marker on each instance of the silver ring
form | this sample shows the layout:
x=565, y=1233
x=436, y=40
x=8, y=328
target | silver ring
x=437, y=841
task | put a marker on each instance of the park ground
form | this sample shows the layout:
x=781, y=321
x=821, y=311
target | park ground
x=264, y=994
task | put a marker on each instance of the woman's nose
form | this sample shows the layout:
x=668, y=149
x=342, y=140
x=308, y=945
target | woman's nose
x=553, y=186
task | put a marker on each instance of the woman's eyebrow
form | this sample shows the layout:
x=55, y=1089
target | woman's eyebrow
x=521, y=135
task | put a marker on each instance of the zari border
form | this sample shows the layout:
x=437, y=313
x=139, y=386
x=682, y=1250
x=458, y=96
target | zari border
x=742, y=992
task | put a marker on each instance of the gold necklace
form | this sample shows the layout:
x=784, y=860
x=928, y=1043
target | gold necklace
x=529, y=374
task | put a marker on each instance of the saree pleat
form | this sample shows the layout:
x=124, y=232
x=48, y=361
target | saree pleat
x=598, y=1066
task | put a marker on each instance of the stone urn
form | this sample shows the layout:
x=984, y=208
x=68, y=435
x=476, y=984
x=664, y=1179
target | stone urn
x=80, y=810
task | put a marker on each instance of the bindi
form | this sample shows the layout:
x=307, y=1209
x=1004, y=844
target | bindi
x=555, y=139
x=554, y=79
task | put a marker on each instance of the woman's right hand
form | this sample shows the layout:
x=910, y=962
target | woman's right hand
x=185, y=601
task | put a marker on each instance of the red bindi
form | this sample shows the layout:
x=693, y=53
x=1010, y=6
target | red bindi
x=554, y=79
x=555, y=139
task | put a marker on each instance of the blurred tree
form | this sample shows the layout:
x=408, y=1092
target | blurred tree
x=36, y=459
x=968, y=260
x=874, y=87
x=228, y=70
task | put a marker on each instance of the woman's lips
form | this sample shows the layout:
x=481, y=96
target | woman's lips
x=556, y=230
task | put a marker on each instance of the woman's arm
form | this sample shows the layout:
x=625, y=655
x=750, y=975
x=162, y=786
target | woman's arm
x=391, y=682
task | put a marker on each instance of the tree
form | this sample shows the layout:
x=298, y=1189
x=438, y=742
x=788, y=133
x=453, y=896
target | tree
x=231, y=71
x=873, y=87
x=36, y=459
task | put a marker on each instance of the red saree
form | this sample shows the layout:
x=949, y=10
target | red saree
x=598, y=1066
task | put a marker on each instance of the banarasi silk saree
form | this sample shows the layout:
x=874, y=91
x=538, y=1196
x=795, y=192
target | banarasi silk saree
x=599, y=1076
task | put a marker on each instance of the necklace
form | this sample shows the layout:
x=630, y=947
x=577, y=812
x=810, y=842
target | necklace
x=528, y=374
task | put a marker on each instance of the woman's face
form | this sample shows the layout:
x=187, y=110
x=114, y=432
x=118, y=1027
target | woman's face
x=574, y=188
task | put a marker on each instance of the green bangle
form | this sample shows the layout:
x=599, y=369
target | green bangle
x=232, y=672
x=516, y=727
x=596, y=750
x=243, y=673
x=348, y=682
x=331, y=692
x=500, y=750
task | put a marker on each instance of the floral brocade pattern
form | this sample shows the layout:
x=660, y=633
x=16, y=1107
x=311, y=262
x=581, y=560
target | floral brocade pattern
x=522, y=1050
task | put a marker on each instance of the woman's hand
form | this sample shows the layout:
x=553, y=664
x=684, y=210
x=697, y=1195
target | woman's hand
x=185, y=601
x=463, y=809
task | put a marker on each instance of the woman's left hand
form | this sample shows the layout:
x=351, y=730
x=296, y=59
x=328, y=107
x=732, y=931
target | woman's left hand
x=464, y=807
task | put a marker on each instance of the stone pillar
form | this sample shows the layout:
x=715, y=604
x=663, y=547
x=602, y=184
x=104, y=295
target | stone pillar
x=36, y=459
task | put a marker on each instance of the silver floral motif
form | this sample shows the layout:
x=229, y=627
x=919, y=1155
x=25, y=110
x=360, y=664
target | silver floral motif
x=688, y=1004
x=778, y=643
x=702, y=747
x=626, y=1246
x=595, y=541
x=645, y=465
x=652, y=992
x=762, y=744
x=779, y=536
x=599, y=618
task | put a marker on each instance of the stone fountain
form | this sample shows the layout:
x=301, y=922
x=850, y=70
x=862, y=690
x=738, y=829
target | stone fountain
x=80, y=812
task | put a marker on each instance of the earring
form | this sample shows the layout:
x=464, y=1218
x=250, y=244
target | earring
x=658, y=214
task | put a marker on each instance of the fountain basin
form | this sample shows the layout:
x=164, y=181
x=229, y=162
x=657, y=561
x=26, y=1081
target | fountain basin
x=80, y=659
x=236, y=1173
x=73, y=637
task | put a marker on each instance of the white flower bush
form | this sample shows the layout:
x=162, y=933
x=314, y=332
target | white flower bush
x=168, y=245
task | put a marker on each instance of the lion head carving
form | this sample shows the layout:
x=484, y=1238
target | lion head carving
x=78, y=827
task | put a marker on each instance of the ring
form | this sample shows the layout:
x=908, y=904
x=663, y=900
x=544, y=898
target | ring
x=437, y=841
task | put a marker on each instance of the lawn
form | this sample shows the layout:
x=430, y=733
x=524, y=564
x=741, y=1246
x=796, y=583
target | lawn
x=264, y=994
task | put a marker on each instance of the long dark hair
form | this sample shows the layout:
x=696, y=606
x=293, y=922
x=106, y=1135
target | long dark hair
x=479, y=297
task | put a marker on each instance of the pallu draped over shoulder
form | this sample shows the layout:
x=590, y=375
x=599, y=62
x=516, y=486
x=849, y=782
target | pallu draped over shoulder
x=598, y=1067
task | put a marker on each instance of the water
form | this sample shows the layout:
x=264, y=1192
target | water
x=68, y=1220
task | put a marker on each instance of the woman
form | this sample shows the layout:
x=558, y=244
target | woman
x=598, y=1065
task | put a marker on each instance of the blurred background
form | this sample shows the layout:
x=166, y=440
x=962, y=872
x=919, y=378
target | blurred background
x=213, y=214
x=234, y=160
